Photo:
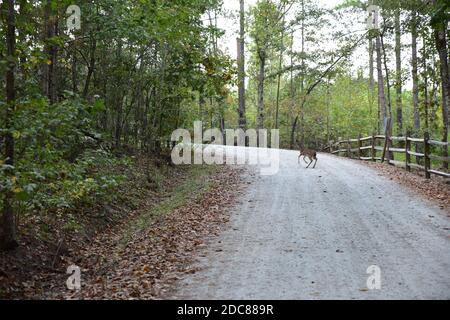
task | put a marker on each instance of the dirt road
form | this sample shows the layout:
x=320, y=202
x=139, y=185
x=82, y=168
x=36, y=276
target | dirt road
x=312, y=234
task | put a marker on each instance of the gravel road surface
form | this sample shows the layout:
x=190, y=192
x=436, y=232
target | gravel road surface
x=312, y=234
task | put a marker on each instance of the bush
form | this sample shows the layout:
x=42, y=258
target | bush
x=60, y=161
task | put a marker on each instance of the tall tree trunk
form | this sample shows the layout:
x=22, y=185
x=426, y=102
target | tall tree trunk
x=398, y=84
x=8, y=236
x=381, y=92
x=302, y=83
x=277, y=112
x=388, y=82
x=119, y=100
x=280, y=65
x=426, y=100
x=22, y=36
x=74, y=70
x=292, y=88
x=241, y=65
x=301, y=117
x=294, y=128
x=118, y=124
x=415, y=75
x=91, y=66
x=261, y=79
x=388, y=130
x=372, y=81
x=440, y=32
x=202, y=107
x=328, y=112
x=50, y=51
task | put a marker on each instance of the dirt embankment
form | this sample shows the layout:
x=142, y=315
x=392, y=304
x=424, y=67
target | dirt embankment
x=127, y=247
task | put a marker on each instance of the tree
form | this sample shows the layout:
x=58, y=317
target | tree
x=381, y=92
x=440, y=35
x=398, y=63
x=415, y=75
x=241, y=66
x=280, y=66
x=48, y=79
x=266, y=31
x=8, y=237
x=372, y=81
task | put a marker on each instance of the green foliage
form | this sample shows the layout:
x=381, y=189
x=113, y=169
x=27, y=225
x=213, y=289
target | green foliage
x=124, y=79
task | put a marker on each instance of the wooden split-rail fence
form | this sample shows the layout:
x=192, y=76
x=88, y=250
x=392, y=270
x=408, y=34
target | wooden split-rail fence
x=368, y=149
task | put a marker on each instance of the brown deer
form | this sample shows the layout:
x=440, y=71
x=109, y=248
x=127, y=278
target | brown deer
x=308, y=153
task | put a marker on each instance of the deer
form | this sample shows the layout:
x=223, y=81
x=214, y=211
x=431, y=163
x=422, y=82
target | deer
x=308, y=153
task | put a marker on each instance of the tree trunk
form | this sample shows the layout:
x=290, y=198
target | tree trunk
x=280, y=66
x=388, y=129
x=440, y=32
x=118, y=124
x=302, y=83
x=294, y=128
x=329, y=99
x=119, y=96
x=50, y=51
x=74, y=71
x=372, y=82
x=426, y=100
x=261, y=78
x=415, y=76
x=381, y=93
x=277, y=112
x=241, y=65
x=292, y=88
x=8, y=236
x=388, y=82
x=398, y=84
x=91, y=66
x=22, y=35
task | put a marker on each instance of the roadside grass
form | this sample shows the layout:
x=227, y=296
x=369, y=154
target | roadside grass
x=197, y=182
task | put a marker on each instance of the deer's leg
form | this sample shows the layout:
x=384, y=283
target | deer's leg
x=315, y=164
x=304, y=159
x=310, y=163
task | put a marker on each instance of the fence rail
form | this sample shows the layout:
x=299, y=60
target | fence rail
x=347, y=148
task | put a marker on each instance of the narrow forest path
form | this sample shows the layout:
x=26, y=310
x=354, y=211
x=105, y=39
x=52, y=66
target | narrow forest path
x=312, y=234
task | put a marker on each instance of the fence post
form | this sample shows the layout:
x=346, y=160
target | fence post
x=373, y=147
x=387, y=144
x=427, y=156
x=359, y=147
x=349, y=147
x=445, y=163
x=385, y=149
x=407, y=150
